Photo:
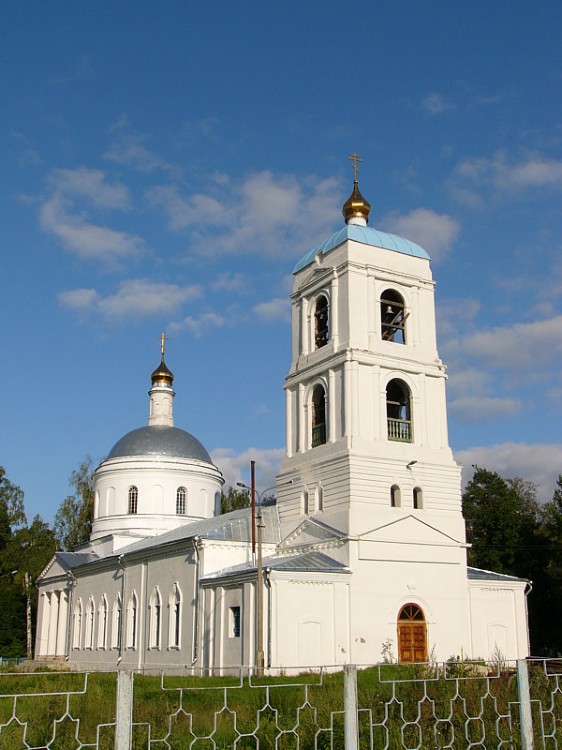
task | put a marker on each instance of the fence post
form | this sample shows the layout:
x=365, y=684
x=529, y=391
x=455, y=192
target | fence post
x=124, y=711
x=351, y=724
x=527, y=741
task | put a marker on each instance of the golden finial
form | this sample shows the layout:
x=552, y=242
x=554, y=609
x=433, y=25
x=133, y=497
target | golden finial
x=162, y=373
x=356, y=208
x=355, y=158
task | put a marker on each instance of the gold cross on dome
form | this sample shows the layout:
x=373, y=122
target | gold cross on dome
x=163, y=339
x=355, y=158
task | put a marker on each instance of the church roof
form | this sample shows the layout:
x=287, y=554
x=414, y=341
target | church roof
x=366, y=236
x=477, y=574
x=230, y=527
x=158, y=440
x=308, y=562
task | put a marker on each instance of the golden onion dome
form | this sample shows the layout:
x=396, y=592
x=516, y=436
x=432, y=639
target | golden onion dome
x=162, y=374
x=356, y=206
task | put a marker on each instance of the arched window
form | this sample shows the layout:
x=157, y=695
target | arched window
x=116, y=619
x=102, y=623
x=132, y=623
x=181, y=496
x=318, y=416
x=321, y=322
x=174, y=633
x=398, y=411
x=393, y=318
x=395, y=496
x=412, y=634
x=155, y=607
x=418, y=498
x=133, y=499
x=90, y=619
x=77, y=625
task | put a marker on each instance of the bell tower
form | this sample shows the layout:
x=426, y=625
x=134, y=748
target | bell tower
x=366, y=441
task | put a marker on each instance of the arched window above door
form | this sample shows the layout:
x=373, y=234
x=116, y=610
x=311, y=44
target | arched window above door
x=412, y=634
x=399, y=411
x=393, y=317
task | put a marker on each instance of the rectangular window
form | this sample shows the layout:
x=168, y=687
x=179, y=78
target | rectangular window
x=235, y=622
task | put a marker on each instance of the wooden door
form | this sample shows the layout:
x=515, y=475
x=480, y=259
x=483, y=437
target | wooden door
x=412, y=634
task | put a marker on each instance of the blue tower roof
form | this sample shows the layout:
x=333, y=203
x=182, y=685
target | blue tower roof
x=366, y=236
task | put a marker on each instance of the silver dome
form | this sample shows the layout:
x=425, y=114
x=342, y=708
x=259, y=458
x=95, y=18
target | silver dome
x=159, y=441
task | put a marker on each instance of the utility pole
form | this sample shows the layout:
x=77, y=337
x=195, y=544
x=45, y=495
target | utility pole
x=260, y=660
x=26, y=584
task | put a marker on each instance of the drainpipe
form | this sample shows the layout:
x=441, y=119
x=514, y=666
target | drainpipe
x=195, y=645
x=69, y=622
x=269, y=607
x=528, y=589
x=123, y=610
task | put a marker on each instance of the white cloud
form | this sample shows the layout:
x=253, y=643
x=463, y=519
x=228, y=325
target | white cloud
x=468, y=380
x=135, y=298
x=263, y=213
x=452, y=313
x=90, y=184
x=483, y=408
x=230, y=282
x=198, y=326
x=534, y=172
x=80, y=300
x=434, y=232
x=435, y=104
x=87, y=240
x=60, y=216
x=522, y=345
x=128, y=148
x=186, y=211
x=540, y=463
x=278, y=308
x=236, y=466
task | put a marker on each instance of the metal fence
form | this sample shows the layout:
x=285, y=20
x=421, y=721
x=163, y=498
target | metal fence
x=415, y=707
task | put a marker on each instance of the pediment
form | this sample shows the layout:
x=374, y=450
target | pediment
x=411, y=530
x=64, y=562
x=53, y=569
x=316, y=273
x=311, y=533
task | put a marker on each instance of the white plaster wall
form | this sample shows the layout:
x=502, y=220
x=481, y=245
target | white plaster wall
x=498, y=619
x=381, y=587
x=310, y=626
x=157, y=480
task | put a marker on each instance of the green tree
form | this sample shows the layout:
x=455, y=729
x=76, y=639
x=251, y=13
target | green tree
x=510, y=533
x=11, y=500
x=73, y=519
x=27, y=553
x=547, y=588
x=502, y=520
x=24, y=552
x=235, y=499
x=551, y=528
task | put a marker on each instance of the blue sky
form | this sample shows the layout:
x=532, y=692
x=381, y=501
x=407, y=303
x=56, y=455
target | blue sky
x=163, y=166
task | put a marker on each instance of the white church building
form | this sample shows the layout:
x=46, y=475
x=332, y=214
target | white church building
x=364, y=550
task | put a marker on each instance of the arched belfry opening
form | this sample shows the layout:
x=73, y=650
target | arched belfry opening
x=412, y=634
x=393, y=317
x=318, y=416
x=321, y=322
x=399, y=411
